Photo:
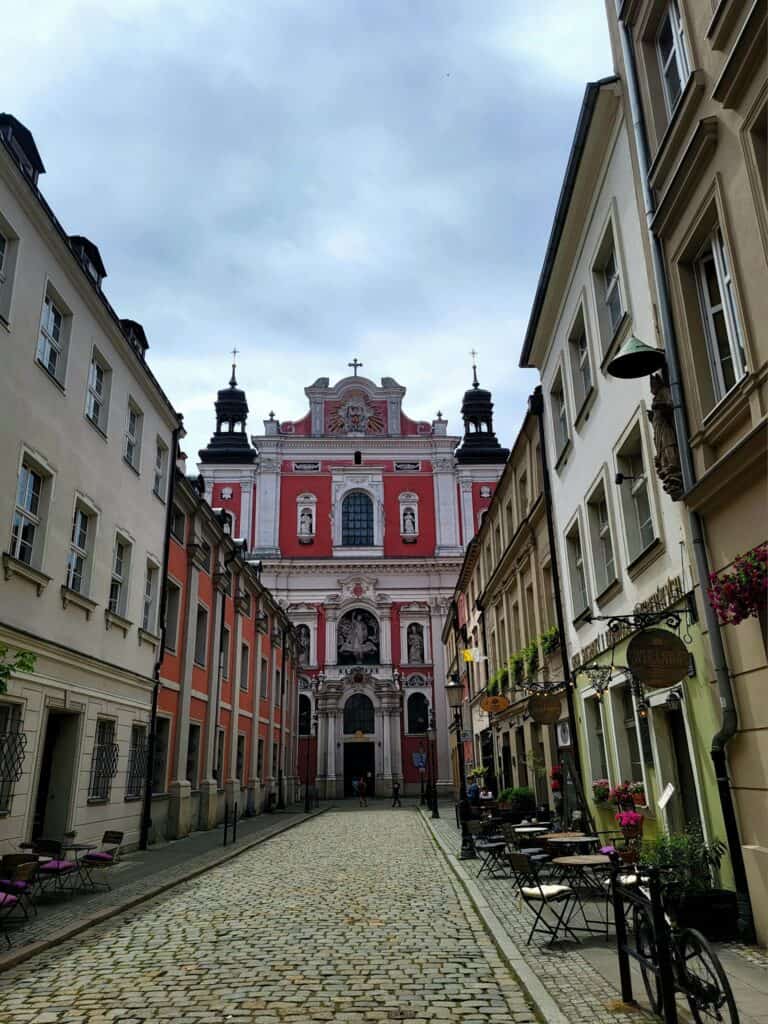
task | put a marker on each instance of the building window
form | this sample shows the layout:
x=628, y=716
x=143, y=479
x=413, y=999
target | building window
x=178, y=524
x=225, y=652
x=161, y=468
x=635, y=500
x=260, y=759
x=596, y=738
x=580, y=365
x=51, y=344
x=418, y=713
x=160, y=760
x=278, y=688
x=103, y=760
x=628, y=740
x=79, y=551
x=205, y=555
x=522, y=490
x=720, y=317
x=600, y=536
x=193, y=754
x=172, y=606
x=97, y=396
x=264, y=686
x=137, y=762
x=305, y=715
x=132, y=446
x=240, y=757
x=672, y=54
x=274, y=760
x=118, y=587
x=244, y=660
x=149, y=609
x=358, y=715
x=608, y=290
x=12, y=744
x=201, y=635
x=9, y=244
x=28, y=518
x=357, y=520
x=218, y=771
x=579, y=593
x=559, y=415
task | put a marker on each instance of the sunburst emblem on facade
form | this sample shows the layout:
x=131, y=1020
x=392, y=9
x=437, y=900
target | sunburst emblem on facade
x=355, y=416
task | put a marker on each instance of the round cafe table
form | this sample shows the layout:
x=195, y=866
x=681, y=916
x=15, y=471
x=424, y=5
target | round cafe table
x=584, y=871
x=564, y=835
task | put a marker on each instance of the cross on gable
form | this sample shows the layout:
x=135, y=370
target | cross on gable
x=355, y=365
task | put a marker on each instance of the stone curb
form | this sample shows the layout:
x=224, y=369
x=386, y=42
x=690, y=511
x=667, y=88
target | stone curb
x=541, y=1000
x=23, y=953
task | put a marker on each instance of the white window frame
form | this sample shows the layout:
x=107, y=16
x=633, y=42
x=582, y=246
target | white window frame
x=172, y=635
x=631, y=490
x=619, y=732
x=577, y=567
x=160, y=473
x=52, y=336
x=601, y=535
x=589, y=697
x=81, y=541
x=8, y=261
x=97, y=392
x=580, y=359
x=119, y=576
x=149, y=597
x=605, y=285
x=715, y=250
x=132, y=436
x=678, y=54
x=559, y=410
x=29, y=513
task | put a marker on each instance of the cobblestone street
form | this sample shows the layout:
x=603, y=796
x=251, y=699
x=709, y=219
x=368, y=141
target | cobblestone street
x=353, y=916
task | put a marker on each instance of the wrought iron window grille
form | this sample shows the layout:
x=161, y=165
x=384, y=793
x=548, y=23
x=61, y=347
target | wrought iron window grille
x=103, y=770
x=13, y=744
x=137, y=769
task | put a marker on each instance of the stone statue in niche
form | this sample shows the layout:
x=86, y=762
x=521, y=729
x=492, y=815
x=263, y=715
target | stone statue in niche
x=358, y=638
x=415, y=644
x=305, y=523
x=667, y=459
x=302, y=640
x=409, y=521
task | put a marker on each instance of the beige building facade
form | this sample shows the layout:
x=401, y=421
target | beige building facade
x=85, y=468
x=697, y=78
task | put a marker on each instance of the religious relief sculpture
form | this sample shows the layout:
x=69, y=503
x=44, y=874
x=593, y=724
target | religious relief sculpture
x=667, y=459
x=358, y=638
x=302, y=642
x=415, y=644
x=355, y=416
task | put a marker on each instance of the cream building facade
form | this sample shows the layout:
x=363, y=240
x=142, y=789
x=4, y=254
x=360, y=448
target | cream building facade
x=84, y=465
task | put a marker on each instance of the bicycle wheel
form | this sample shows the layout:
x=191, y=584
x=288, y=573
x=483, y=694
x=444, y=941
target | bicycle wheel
x=645, y=943
x=705, y=982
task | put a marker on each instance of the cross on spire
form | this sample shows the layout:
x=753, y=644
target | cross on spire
x=475, y=382
x=233, y=379
x=355, y=365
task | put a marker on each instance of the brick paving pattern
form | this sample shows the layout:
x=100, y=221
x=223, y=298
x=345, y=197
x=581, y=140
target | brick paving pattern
x=350, y=917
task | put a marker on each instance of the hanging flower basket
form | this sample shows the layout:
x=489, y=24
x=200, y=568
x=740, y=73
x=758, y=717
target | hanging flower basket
x=601, y=790
x=742, y=592
x=631, y=824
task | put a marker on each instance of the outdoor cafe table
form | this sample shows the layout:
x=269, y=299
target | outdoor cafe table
x=576, y=840
x=83, y=870
x=583, y=871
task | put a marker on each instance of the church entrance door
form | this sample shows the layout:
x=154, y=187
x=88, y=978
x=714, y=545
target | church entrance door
x=359, y=760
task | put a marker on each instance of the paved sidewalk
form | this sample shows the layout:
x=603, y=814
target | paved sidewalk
x=136, y=877
x=583, y=978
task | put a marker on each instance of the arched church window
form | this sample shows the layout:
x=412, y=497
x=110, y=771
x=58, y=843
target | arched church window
x=302, y=644
x=305, y=715
x=415, y=640
x=357, y=638
x=418, y=713
x=357, y=520
x=358, y=714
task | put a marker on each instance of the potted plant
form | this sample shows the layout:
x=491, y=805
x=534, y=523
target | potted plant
x=531, y=658
x=621, y=795
x=550, y=640
x=688, y=867
x=517, y=667
x=637, y=792
x=601, y=790
x=743, y=592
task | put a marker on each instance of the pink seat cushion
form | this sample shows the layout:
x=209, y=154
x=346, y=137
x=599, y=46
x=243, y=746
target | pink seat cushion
x=102, y=856
x=58, y=866
x=6, y=900
x=10, y=883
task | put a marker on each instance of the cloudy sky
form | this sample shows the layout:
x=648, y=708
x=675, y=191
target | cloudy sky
x=311, y=180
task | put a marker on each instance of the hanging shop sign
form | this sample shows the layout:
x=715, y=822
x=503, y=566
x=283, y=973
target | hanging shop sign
x=657, y=658
x=544, y=709
x=493, y=705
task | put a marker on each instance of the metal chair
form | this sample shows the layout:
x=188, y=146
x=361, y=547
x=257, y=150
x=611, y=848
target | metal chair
x=104, y=858
x=58, y=869
x=540, y=896
x=18, y=873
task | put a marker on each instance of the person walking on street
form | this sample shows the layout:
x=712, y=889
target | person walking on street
x=355, y=786
x=362, y=791
x=396, y=795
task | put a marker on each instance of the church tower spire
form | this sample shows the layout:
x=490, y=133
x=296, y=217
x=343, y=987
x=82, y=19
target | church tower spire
x=480, y=444
x=229, y=443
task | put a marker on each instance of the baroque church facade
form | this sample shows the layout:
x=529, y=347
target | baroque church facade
x=359, y=516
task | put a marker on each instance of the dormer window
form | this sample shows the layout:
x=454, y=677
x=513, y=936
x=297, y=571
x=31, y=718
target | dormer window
x=22, y=146
x=90, y=258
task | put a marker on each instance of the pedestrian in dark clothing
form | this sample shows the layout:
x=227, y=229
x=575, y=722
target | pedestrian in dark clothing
x=396, y=795
x=362, y=791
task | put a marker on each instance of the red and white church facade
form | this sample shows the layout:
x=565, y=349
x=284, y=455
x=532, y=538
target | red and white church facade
x=360, y=516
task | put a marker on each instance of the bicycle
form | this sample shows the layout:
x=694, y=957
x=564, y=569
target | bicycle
x=696, y=970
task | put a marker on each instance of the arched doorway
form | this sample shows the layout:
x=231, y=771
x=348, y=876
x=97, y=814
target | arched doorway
x=359, y=746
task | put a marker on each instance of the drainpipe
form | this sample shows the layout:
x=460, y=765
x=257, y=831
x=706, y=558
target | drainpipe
x=283, y=719
x=536, y=407
x=729, y=719
x=146, y=810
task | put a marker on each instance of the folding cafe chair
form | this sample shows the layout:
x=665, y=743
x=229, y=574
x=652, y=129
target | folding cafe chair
x=104, y=858
x=560, y=900
x=18, y=873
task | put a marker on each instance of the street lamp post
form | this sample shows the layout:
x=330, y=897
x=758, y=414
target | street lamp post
x=312, y=727
x=454, y=691
x=431, y=734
